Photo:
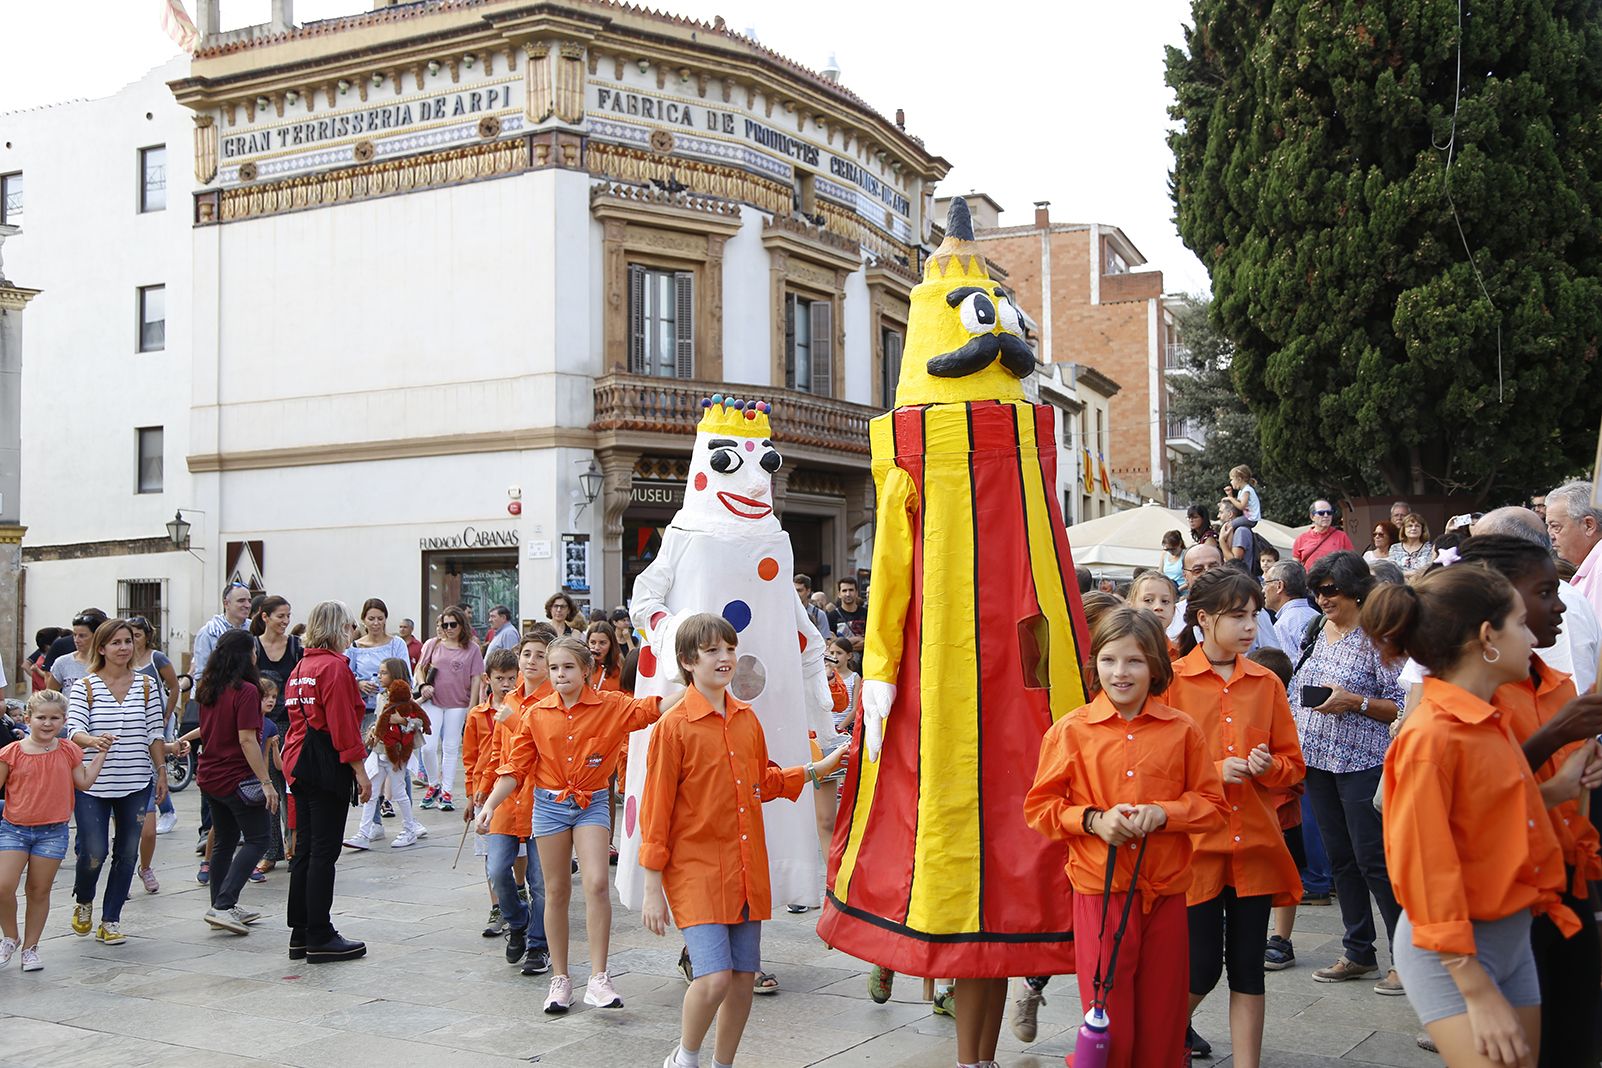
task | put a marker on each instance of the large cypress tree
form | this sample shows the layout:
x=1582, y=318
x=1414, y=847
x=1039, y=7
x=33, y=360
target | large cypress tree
x=1311, y=178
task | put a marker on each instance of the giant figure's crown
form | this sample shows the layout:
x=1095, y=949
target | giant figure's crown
x=727, y=417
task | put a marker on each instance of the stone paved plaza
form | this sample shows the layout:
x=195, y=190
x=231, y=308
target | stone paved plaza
x=432, y=992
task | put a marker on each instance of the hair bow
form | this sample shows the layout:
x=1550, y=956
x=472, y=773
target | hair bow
x=1446, y=557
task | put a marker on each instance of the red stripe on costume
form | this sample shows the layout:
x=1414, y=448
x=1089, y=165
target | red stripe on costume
x=1046, y=443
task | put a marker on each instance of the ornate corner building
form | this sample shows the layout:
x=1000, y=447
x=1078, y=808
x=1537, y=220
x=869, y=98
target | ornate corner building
x=454, y=276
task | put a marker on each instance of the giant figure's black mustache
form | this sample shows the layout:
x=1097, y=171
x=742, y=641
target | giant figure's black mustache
x=1016, y=356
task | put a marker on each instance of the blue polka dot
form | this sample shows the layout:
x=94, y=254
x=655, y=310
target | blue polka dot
x=738, y=613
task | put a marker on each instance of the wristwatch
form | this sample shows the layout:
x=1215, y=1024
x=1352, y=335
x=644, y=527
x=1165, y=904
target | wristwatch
x=1363, y=708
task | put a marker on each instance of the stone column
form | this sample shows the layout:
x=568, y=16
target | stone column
x=617, y=487
x=13, y=300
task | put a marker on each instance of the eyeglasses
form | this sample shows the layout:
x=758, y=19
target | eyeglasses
x=449, y=624
x=1323, y=511
x=138, y=621
x=1328, y=591
x=87, y=621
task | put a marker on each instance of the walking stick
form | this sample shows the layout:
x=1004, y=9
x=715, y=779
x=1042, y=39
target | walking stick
x=466, y=826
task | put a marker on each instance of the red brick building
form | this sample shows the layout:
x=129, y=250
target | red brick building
x=1080, y=282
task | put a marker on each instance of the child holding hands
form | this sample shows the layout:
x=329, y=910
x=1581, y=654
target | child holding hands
x=1123, y=768
x=702, y=845
x=39, y=774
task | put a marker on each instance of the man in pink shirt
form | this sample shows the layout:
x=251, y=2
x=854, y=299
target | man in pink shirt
x=1576, y=528
x=1324, y=538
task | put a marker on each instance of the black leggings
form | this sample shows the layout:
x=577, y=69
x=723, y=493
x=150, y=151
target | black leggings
x=1569, y=969
x=1233, y=930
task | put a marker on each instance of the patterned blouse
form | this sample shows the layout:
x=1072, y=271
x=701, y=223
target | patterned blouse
x=1415, y=561
x=1351, y=741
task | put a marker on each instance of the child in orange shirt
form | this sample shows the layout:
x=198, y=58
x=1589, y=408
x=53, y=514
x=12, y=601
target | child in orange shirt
x=567, y=747
x=1471, y=850
x=39, y=773
x=1551, y=724
x=1241, y=869
x=702, y=845
x=500, y=676
x=1122, y=768
x=1280, y=954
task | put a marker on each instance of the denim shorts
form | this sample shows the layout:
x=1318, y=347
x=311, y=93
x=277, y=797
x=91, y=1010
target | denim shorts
x=724, y=947
x=48, y=840
x=1503, y=949
x=553, y=817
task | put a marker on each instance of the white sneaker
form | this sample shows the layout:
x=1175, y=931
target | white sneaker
x=560, y=995
x=420, y=831
x=31, y=961
x=250, y=916
x=8, y=948
x=358, y=841
x=166, y=822
x=227, y=920
x=600, y=992
x=404, y=839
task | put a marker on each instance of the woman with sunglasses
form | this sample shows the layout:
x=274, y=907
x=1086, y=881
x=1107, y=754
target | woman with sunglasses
x=1385, y=536
x=450, y=675
x=1344, y=696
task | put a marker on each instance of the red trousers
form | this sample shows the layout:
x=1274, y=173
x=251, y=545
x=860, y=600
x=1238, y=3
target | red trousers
x=1148, y=1006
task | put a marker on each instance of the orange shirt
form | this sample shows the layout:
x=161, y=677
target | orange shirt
x=574, y=750
x=476, y=734
x=700, y=821
x=1250, y=709
x=1529, y=704
x=603, y=681
x=1466, y=834
x=1093, y=757
x=515, y=815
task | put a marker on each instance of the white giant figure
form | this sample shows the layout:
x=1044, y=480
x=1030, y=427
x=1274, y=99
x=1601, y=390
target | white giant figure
x=726, y=554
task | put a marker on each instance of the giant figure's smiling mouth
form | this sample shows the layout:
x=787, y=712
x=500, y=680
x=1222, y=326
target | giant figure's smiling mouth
x=744, y=507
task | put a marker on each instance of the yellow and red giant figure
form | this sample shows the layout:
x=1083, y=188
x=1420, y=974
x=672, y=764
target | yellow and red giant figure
x=972, y=652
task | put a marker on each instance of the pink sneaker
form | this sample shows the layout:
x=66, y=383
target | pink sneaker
x=560, y=996
x=148, y=877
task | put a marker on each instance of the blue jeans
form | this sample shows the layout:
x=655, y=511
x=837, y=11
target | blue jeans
x=94, y=816
x=1355, y=841
x=1315, y=877
x=498, y=862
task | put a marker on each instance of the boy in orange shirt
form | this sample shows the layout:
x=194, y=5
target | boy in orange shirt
x=702, y=846
x=1122, y=768
x=500, y=672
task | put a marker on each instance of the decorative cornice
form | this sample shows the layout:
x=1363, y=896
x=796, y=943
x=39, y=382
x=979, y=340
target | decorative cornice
x=89, y=550
x=15, y=298
x=11, y=535
x=811, y=242
x=394, y=449
x=656, y=207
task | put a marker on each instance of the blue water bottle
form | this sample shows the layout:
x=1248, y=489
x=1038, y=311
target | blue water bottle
x=1093, y=1045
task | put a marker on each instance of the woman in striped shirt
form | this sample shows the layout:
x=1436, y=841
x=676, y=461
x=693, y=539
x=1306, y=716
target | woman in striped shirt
x=117, y=709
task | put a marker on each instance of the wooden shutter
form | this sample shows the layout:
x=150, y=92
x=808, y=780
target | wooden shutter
x=892, y=366
x=789, y=340
x=684, y=324
x=637, y=320
x=823, y=348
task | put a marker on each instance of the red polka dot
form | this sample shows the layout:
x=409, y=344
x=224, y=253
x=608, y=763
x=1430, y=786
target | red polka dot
x=647, y=663
x=631, y=815
x=657, y=619
x=768, y=568
x=802, y=635
x=700, y=480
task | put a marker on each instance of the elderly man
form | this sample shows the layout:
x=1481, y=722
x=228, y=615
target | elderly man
x=1285, y=591
x=1576, y=528
x=1400, y=510
x=1324, y=537
x=1200, y=559
x=1576, y=648
x=504, y=633
x=235, y=611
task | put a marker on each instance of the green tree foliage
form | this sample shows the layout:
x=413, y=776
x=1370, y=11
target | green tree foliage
x=1205, y=392
x=1311, y=178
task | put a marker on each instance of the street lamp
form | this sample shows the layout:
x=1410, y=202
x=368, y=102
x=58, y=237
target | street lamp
x=178, y=531
x=590, y=483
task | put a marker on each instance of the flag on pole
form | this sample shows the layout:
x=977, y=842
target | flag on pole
x=176, y=21
x=1106, y=482
x=1089, y=472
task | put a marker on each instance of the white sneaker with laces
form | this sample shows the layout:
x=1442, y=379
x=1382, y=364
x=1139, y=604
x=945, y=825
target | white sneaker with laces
x=8, y=947
x=227, y=920
x=166, y=822
x=402, y=840
x=559, y=998
x=31, y=961
x=600, y=992
x=248, y=915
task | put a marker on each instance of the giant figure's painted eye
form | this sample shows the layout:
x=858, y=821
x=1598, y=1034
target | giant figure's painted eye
x=771, y=461
x=978, y=313
x=1011, y=321
x=726, y=461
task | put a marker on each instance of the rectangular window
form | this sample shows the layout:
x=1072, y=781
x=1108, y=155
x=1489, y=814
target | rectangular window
x=890, y=366
x=1116, y=264
x=11, y=199
x=148, y=448
x=142, y=599
x=152, y=318
x=809, y=345
x=153, y=178
x=661, y=322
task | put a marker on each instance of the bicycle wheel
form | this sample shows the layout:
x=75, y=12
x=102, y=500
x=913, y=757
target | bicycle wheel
x=180, y=773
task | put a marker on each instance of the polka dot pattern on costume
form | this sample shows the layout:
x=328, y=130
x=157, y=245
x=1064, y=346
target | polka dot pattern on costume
x=647, y=666
x=803, y=638
x=631, y=815
x=750, y=678
x=738, y=613
x=657, y=618
x=767, y=569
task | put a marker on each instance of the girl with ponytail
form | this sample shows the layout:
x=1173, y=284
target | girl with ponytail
x=1471, y=850
x=1242, y=869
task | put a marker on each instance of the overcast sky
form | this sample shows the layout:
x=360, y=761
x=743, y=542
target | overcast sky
x=1072, y=109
